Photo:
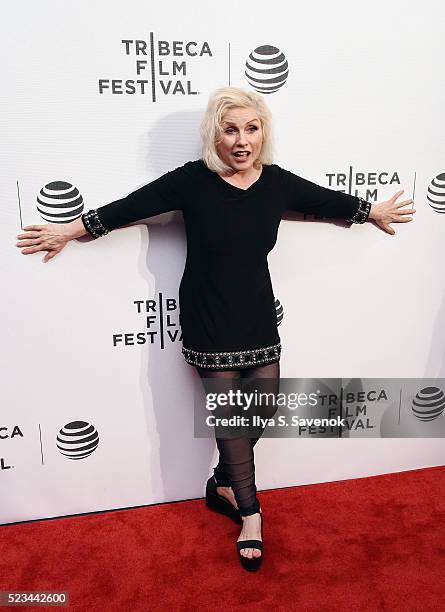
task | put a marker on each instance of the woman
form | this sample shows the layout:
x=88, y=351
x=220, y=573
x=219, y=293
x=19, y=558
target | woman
x=232, y=200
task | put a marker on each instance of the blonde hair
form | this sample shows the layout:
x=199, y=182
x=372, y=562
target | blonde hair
x=220, y=101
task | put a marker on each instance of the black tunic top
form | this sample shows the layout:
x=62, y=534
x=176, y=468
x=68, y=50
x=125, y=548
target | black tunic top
x=227, y=307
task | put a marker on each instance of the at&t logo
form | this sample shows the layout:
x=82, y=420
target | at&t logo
x=429, y=404
x=280, y=311
x=436, y=193
x=59, y=202
x=266, y=69
x=77, y=440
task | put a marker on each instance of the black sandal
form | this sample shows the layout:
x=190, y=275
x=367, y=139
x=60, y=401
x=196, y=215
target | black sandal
x=220, y=504
x=253, y=564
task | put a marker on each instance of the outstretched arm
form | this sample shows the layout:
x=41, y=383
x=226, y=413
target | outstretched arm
x=164, y=194
x=307, y=197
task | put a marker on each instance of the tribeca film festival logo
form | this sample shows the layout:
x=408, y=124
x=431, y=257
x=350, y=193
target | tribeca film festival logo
x=59, y=202
x=161, y=320
x=364, y=184
x=160, y=317
x=8, y=433
x=160, y=67
x=368, y=184
x=355, y=406
x=266, y=69
x=77, y=440
x=396, y=410
x=364, y=409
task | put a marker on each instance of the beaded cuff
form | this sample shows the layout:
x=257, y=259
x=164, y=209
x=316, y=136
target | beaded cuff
x=233, y=359
x=93, y=224
x=362, y=213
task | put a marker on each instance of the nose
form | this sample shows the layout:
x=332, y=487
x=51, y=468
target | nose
x=242, y=139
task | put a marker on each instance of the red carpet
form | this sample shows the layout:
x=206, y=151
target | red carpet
x=369, y=544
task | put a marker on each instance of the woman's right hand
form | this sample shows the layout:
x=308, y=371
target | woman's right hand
x=50, y=237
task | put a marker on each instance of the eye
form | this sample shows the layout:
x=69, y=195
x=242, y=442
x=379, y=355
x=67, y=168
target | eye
x=229, y=131
x=253, y=128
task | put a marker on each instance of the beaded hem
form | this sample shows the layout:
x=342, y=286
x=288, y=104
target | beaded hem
x=229, y=359
x=362, y=213
x=93, y=224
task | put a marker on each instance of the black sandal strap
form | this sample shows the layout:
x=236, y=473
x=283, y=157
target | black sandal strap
x=249, y=544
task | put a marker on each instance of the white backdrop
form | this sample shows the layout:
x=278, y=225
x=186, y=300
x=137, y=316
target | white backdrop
x=363, y=95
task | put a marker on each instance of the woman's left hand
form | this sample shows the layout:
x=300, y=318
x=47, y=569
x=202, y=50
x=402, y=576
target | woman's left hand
x=388, y=211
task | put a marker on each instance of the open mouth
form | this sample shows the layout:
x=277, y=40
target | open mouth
x=241, y=154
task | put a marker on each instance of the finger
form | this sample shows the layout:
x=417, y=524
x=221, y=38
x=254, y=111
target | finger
x=32, y=250
x=29, y=235
x=405, y=203
x=49, y=256
x=403, y=220
x=34, y=227
x=396, y=195
x=24, y=243
x=407, y=211
x=388, y=229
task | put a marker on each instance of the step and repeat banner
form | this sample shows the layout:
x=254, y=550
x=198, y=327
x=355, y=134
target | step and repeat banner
x=101, y=98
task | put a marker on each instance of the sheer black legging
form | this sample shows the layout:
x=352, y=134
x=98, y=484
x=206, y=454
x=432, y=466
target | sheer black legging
x=236, y=466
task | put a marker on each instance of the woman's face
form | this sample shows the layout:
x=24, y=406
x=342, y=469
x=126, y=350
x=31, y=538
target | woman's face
x=241, y=138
